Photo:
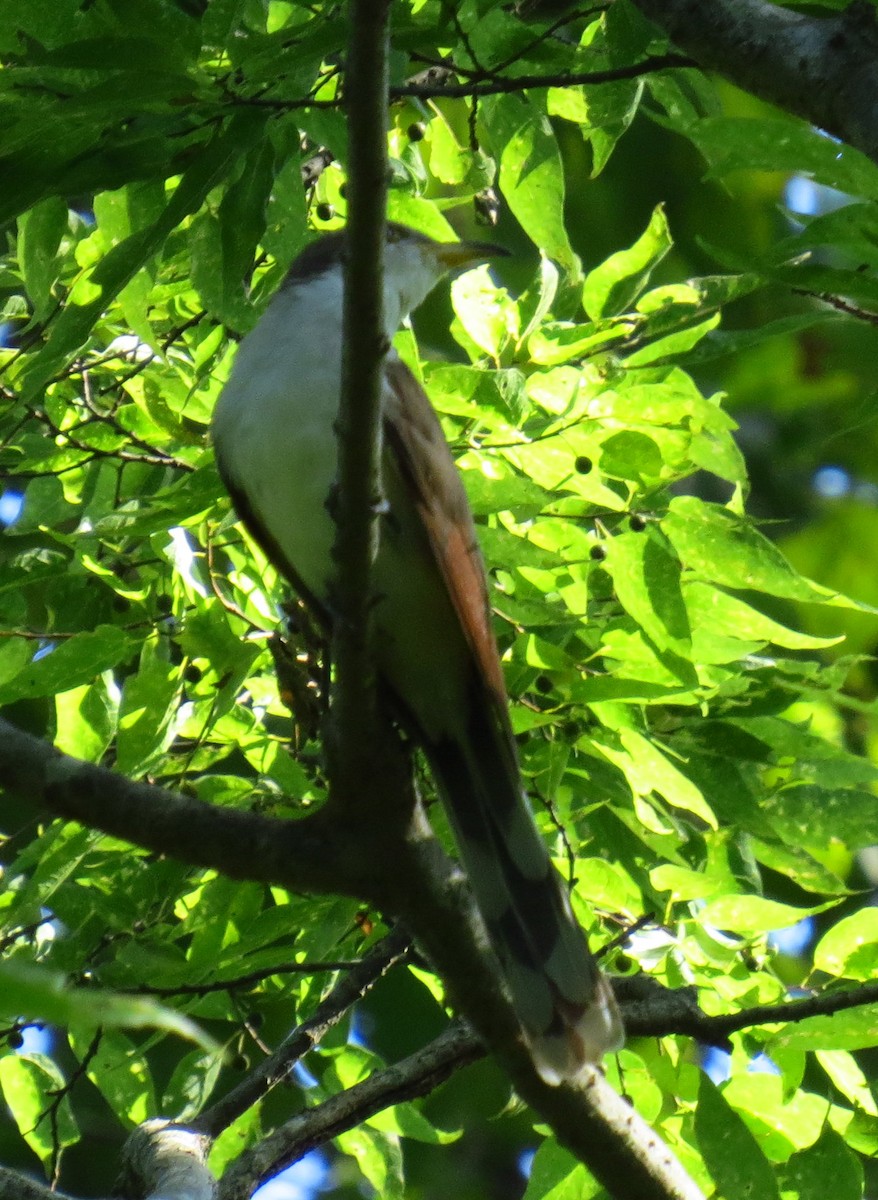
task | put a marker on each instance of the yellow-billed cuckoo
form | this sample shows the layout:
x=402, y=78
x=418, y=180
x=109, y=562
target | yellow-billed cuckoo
x=275, y=437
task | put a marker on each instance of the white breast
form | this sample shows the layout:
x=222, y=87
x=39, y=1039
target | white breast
x=274, y=429
x=274, y=424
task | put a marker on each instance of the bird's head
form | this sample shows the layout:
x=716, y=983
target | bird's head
x=414, y=264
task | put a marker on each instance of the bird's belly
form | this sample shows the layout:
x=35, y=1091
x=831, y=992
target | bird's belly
x=420, y=650
x=291, y=475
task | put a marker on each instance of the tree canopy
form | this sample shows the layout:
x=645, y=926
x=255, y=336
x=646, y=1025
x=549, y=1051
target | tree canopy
x=662, y=404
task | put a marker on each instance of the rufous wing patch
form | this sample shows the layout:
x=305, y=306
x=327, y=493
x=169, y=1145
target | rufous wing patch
x=415, y=437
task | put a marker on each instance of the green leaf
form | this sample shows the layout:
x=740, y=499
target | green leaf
x=718, y=619
x=409, y=1122
x=147, y=714
x=733, y=1156
x=844, y=1071
x=194, y=1078
x=816, y=816
x=850, y=948
x=780, y=1123
x=224, y=244
x=562, y=341
x=852, y=228
x=613, y=287
x=646, y=578
x=632, y=455
x=30, y=1083
x=449, y=161
x=658, y=774
x=721, y=546
x=532, y=181
x=851, y=1029
x=92, y=294
x=39, y=236
x=754, y=914
x=733, y=143
x=683, y=883
x=557, y=1175
x=31, y=991
x=72, y=663
x=487, y=313
x=118, y=1069
x=378, y=1156
x=85, y=721
x=828, y=1168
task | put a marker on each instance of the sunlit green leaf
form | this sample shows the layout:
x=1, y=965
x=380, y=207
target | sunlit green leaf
x=850, y=948
x=753, y=914
x=613, y=287
x=32, y=1086
x=557, y=1175
x=532, y=181
x=70, y=664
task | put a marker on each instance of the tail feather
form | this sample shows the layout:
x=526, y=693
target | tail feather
x=566, y=1007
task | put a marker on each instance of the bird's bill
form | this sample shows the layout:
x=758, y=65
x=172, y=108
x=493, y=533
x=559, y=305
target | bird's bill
x=454, y=255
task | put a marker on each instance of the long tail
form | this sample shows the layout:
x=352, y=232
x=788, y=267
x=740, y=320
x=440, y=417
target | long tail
x=564, y=1003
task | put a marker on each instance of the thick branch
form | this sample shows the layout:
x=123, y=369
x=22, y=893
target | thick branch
x=652, y=1010
x=824, y=69
x=649, y=1009
x=160, y=1161
x=14, y=1186
x=358, y=732
x=163, y=1161
x=415, y=1076
x=301, y=854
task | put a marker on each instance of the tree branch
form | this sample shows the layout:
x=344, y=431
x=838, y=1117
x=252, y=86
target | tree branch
x=359, y=735
x=14, y=1186
x=163, y=1161
x=329, y=1012
x=429, y=892
x=302, y=854
x=496, y=86
x=650, y=1011
x=654, y=1011
x=414, y=1076
x=588, y=1117
x=160, y=1161
x=824, y=69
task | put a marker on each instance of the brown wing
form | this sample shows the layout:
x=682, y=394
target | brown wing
x=414, y=435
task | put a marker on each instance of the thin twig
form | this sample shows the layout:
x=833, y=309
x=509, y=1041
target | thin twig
x=521, y=83
x=359, y=980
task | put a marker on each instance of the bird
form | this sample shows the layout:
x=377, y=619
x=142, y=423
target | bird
x=275, y=440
